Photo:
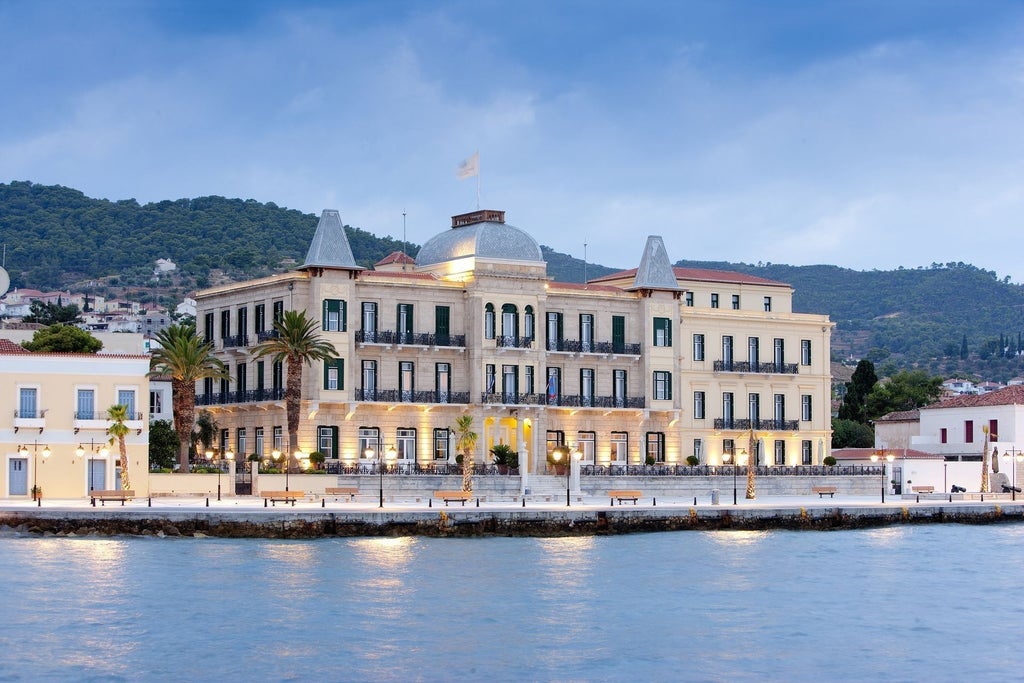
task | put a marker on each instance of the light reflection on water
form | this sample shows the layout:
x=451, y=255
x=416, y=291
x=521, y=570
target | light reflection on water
x=899, y=603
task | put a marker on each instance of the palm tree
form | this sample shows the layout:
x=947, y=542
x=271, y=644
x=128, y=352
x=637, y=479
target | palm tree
x=465, y=441
x=186, y=359
x=117, y=430
x=297, y=343
x=752, y=466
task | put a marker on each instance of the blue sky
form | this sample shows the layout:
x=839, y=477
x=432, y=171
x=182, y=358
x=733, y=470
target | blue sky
x=863, y=134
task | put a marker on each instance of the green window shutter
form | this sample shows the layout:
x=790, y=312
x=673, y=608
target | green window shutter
x=618, y=333
x=340, y=362
x=259, y=374
x=668, y=332
x=335, y=447
x=323, y=315
x=561, y=336
x=343, y=308
x=442, y=316
x=327, y=367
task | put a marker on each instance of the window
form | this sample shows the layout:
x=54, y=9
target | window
x=943, y=436
x=698, y=450
x=86, y=404
x=441, y=443
x=779, y=352
x=662, y=332
x=555, y=439
x=727, y=351
x=509, y=324
x=729, y=448
x=225, y=324
x=260, y=376
x=969, y=431
x=554, y=385
x=489, y=321
x=334, y=315
x=698, y=347
x=698, y=405
x=489, y=378
x=208, y=386
x=728, y=404
x=618, y=334
x=805, y=352
x=243, y=321
x=767, y=304
x=586, y=332
x=334, y=374
x=753, y=353
x=261, y=318
x=656, y=446
x=620, y=447
x=369, y=380
x=529, y=323
x=780, y=452
x=554, y=331
x=780, y=410
x=662, y=385
x=241, y=380
x=754, y=409
x=126, y=398
x=805, y=453
x=370, y=321
x=403, y=323
x=993, y=430
x=405, y=444
x=406, y=381
x=587, y=443
x=208, y=327
x=587, y=387
x=688, y=297
x=714, y=301
x=805, y=407
x=27, y=404
x=225, y=386
x=258, y=438
x=278, y=311
x=443, y=382
x=278, y=438
x=510, y=383
x=442, y=324
x=240, y=443
x=619, y=388
x=369, y=442
x=156, y=402
x=277, y=375
x=327, y=441
x=225, y=441
x=528, y=375
x=735, y=302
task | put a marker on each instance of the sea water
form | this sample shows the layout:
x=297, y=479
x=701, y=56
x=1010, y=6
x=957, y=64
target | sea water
x=904, y=603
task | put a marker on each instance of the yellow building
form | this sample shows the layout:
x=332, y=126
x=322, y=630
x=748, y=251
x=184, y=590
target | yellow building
x=655, y=363
x=53, y=429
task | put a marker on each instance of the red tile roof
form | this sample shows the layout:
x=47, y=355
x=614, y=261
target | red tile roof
x=901, y=416
x=701, y=275
x=866, y=453
x=1004, y=397
x=396, y=257
x=9, y=347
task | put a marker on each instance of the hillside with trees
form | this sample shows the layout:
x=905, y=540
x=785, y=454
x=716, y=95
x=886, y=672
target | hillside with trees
x=951, y=318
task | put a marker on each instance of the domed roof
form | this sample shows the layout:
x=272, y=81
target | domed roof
x=481, y=234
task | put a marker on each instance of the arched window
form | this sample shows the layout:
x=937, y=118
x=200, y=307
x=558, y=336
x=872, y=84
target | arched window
x=509, y=324
x=528, y=323
x=489, y=321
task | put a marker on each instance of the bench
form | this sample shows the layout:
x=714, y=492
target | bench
x=350, y=491
x=448, y=496
x=103, y=496
x=822, y=490
x=621, y=495
x=281, y=497
x=923, y=489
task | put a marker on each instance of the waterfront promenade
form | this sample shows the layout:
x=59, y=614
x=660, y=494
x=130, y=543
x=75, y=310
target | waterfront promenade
x=246, y=516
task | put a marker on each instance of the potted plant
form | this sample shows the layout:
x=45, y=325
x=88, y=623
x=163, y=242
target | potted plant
x=317, y=459
x=829, y=461
x=505, y=458
x=649, y=460
x=692, y=460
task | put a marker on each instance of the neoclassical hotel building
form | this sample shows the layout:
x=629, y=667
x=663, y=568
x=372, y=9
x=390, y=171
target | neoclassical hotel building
x=654, y=362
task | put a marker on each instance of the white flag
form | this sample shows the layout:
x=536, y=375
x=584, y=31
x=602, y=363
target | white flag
x=469, y=168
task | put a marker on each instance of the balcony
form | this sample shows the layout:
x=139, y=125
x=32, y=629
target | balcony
x=236, y=341
x=509, y=342
x=29, y=419
x=605, y=348
x=226, y=397
x=565, y=401
x=758, y=425
x=410, y=338
x=417, y=397
x=264, y=335
x=767, y=368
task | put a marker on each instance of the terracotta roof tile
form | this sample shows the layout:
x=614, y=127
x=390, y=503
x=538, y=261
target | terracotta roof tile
x=9, y=347
x=1013, y=395
x=700, y=275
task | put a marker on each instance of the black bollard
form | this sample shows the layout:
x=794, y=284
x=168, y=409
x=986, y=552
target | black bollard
x=524, y=501
x=207, y=501
x=478, y=502
x=430, y=502
x=323, y=502
x=149, y=504
x=918, y=498
x=695, y=500
x=654, y=501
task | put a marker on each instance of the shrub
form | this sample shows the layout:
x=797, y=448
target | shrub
x=692, y=460
x=829, y=460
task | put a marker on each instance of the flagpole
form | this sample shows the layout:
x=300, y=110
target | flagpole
x=478, y=182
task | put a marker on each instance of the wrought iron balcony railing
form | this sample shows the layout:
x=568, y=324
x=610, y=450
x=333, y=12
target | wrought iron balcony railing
x=757, y=425
x=235, y=341
x=509, y=342
x=404, y=396
x=250, y=396
x=767, y=368
x=577, y=346
x=569, y=401
x=410, y=338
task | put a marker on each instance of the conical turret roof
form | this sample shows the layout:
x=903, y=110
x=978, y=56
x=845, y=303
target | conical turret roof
x=329, y=247
x=655, y=270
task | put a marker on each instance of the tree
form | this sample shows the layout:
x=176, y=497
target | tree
x=297, y=343
x=163, y=444
x=49, y=313
x=905, y=390
x=60, y=338
x=465, y=441
x=118, y=416
x=857, y=390
x=851, y=434
x=206, y=431
x=186, y=359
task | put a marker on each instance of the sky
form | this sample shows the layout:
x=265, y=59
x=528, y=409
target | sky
x=867, y=134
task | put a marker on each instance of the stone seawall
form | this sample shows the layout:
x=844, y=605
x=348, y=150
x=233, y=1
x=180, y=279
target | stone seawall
x=459, y=522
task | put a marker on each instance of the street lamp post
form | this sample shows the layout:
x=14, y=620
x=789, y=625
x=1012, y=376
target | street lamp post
x=1012, y=455
x=94, y=448
x=229, y=456
x=36, y=493
x=728, y=457
x=889, y=457
x=276, y=455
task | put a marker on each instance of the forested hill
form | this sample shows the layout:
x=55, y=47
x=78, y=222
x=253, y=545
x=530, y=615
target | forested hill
x=57, y=238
